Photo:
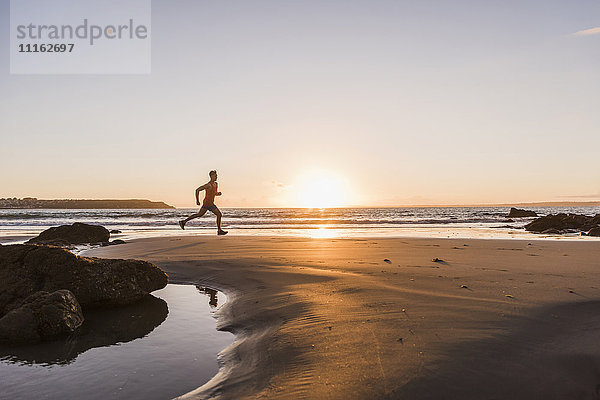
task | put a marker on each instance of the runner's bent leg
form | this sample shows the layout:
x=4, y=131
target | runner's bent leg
x=197, y=215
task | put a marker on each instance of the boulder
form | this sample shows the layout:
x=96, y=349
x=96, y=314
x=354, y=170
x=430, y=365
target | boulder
x=563, y=223
x=66, y=235
x=518, y=213
x=553, y=222
x=102, y=327
x=594, y=231
x=26, y=269
x=40, y=316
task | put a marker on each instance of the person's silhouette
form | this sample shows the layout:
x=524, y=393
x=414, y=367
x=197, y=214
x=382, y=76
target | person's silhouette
x=210, y=191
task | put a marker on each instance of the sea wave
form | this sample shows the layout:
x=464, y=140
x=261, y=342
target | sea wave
x=281, y=219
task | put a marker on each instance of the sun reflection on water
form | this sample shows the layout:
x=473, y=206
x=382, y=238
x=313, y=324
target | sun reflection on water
x=323, y=233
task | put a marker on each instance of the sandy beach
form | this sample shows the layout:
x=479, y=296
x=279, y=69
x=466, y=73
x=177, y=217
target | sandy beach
x=378, y=318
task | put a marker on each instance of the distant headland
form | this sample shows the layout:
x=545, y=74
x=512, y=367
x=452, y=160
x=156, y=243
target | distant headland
x=32, y=202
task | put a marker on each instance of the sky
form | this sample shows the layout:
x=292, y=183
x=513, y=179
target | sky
x=323, y=103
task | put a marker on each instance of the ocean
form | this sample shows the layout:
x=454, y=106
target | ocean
x=17, y=225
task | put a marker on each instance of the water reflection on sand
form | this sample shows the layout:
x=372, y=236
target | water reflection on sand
x=159, y=348
x=101, y=328
x=211, y=293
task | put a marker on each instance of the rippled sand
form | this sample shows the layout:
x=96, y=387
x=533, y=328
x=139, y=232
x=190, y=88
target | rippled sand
x=331, y=318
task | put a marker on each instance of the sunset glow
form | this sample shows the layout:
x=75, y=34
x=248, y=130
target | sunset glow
x=322, y=189
x=277, y=89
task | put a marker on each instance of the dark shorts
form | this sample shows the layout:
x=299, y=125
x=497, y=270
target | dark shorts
x=211, y=207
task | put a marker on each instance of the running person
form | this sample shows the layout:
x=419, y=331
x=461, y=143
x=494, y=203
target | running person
x=210, y=191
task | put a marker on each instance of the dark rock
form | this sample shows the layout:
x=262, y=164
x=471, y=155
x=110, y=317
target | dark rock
x=77, y=233
x=115, y=231
x=102, y=327
x=563, y=223
x=41, y=315
x=518, y=213
x=594, y=231
x=26, y=269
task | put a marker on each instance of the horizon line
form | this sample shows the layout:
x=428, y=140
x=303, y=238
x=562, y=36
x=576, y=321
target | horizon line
x=503, y=204
x=522, y=204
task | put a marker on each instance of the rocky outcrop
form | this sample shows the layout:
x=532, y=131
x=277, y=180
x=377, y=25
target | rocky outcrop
x=563, y=223
x=518, y=213
x=43, y=289
x=41, y=315
x=26, y=269
x=102, y=327
x=66, y=235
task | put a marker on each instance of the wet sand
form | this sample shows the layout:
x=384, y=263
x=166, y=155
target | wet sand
x=331, y=318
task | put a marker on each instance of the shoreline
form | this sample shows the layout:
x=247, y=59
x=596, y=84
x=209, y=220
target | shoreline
x=335, y=233
x=432, y=222
x=330, y=318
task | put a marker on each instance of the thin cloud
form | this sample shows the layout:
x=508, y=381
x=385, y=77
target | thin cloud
x=587, y=32
x=279, y=186
x=583, y=196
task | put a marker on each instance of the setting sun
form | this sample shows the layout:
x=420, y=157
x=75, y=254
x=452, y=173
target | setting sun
x=321, y=189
